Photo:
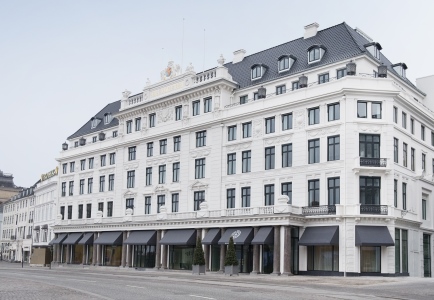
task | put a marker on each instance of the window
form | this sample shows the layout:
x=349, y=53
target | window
x=196, y=107
x=369, y=145
x=245, y=196
x=161, y=201
x=110, y=209
x=313, y=115
x=112, y=158
x=162, y=174
x=404, y=196
x=149, y=149
x=81, y=189
x=89, y=185
x=94, y=123
x=404, y=154
x=178, y=113
x=333, y=111
x=269, y=194
x=175, y=172
x=313, y=151
x=295, y=85
x=404, y=120
x=94, y=139
x=199, y=167
x=71, y=166
x=230, y=198
x=232, y=163
x=314, y=54
x=287, y=190
x=163, y=146
x=395, y=114
x=199, y=197
x=71, y=188
x=246, y=161
x=201, y=139
x=114, y=133
x=412, y=159
x=375, y=74
x=376, y=110
x=232, y=133
x=138, y=124
x=432, y=138
x=147, y=205
x=88, y=210
x=283, y=64
x=111, y=185
x=313, y=192
x=334, y=190
x=395, y=150
x=362, y=109
x=333, y=148
x=286, y=155
x=243, y=99
x=101, y=206
x=80, y=211
x=177, y=143
x=65, y=168
x=129, y=203
x=341, y=73
x=62, y=212
x=151, y=120
x=395, y=192
x=63, y=189
x=281, y=89
x=132, y=153
x=91, y=163
x=207, y=105
x=255, y=96
x=130, y=178
x=103, y=160
x=422, y=132
x=82, y=164
x=423, y=161
x=69, y=212
x=149, y=176
x=247, y=130
x=269, y=125
x=412, y=125
x=323, y=78
x=269, y=158
x=107, y=118
x=370, y=190
x=175, y=202
x=256, y=72
x=101, y=183
x=129, y=126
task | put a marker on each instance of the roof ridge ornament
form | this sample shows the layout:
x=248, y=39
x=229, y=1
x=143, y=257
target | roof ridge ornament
x=126, y=94
x=221, y=60
x=170, y=71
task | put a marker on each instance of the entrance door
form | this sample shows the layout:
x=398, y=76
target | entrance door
x=245, y=258
x=427, y=255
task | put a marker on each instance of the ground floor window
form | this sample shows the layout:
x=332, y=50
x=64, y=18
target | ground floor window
x=181, y=257
x=267, y=258
x=111, y=255
x=294, y=250
x=245, y=258
x=63, y=250
x=370, y=259
x=215, y=258
x=323, y=258
x=427, y=255
x=88, y=252
x=401, y=250
x=144, y=256
x=76, y=254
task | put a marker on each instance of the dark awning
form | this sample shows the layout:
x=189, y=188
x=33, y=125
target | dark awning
x=72, y=238
x=320, y=236
x=373, y=236
x=36, y=228
x=87, y=239
x=148, y=237
x=242, y=236
x=179, y=237
x=113, y=238
x=60, y=238
x=265, y=236
x=44, y=226
x=212, y=237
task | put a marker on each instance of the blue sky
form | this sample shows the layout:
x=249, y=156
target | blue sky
x=63, y=61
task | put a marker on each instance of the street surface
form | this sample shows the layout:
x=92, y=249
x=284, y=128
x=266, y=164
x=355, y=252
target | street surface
x=114, y=283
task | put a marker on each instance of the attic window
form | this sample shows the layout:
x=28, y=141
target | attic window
x=256, y=72
x=400, y=69
x=285, y=62
x=315, y=53
x=374, y=49
x=94, y=122
x=107, y=118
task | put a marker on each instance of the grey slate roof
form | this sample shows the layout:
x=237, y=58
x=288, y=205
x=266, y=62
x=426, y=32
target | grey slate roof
x=86, y=128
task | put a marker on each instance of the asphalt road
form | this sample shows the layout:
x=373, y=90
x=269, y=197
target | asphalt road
x=111, y=283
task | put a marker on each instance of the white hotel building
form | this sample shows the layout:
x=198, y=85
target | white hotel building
x=315, y=155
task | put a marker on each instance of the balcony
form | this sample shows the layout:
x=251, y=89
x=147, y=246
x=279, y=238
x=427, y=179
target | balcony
x=371, y=209
x=373, y=162
x=319, y=210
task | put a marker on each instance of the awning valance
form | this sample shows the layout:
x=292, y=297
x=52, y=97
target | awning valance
x=241, y=236
x=148, y=237
x=373, y=236
x=113, y=238
x=87, y=239
x=179, y=237
x=72, y=238
x=264, y=236
x=60, y=238
x=320, y=236
x=212, y=237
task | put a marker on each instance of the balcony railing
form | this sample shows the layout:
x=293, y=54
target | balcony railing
x=13, y=237
x=319, y=210
x=373, y=162
x=370, y=209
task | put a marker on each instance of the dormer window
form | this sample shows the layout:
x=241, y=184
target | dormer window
x=315, y=53
x=107, y=118
x=94, y=122
x=400, y=69
x=374, y=49
x=256, y=72
x=285, y=62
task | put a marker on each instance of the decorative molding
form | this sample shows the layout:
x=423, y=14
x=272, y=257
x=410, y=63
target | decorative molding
x=107, y=171
x=323, y=131
x=257, y=127
x=162, y=160
x=239, y=146
x=161, y=189
x=165, y=114
x=131, y=166
x=200, y=152
x=129, y=194
x=68, y=177
x=278, y=140
x=299, y=116
x=369, y=128
x=198, y=185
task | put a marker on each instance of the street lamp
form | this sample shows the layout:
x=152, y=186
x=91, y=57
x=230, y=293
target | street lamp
x=51, y=255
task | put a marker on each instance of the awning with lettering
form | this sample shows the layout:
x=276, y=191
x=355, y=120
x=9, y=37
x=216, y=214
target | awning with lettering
x=241, y=236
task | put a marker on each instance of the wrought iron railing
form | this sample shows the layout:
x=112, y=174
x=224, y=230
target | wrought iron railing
x=373, y=162
x=319, y=210
x=371, y=209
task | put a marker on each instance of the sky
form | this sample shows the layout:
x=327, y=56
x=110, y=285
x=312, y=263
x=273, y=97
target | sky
x=62, y=61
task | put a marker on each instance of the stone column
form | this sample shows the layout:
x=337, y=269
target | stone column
x=54, y=253
x=83, y=261
x=222, y=253
x=206, y=251
x=255, y=255
x=287, y=251
x=98, y=255
x=124, y=250
x=158, y=250
x=94, y=249
x=276, y=251
x=68, y=254
x=59, y=253
x=164, y=254
x=130, y=256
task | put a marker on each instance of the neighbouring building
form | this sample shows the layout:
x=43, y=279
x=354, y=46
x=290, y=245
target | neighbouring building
x=314, y=155
x=7, y=187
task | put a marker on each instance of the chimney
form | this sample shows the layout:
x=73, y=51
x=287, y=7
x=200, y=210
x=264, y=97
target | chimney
x=310, y=30
x=238, y=56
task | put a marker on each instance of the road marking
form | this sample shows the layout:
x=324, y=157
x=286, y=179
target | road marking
x=139, y=287
x=201, y=297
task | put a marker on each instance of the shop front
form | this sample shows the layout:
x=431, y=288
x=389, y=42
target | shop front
x=265, y=239
x=143, y=245
x=86, y=244
x=210, y=240
x=181, y=245
x=75, y=251
x=242, y=237
x=60, y=248
x=111, y=248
